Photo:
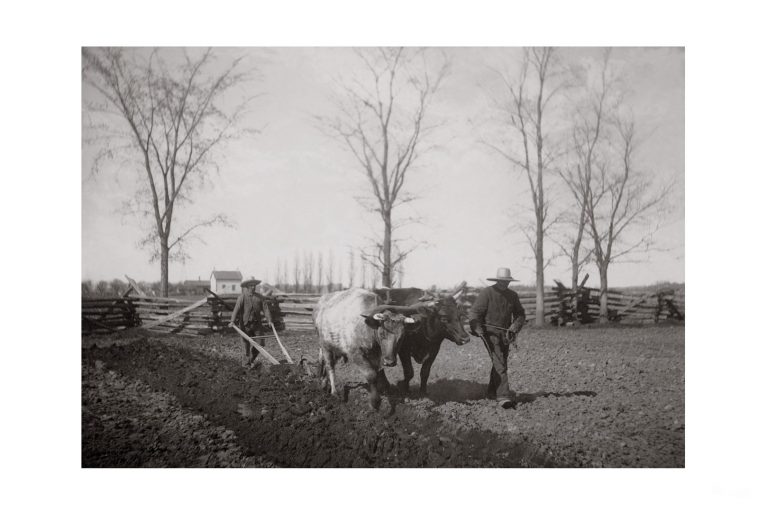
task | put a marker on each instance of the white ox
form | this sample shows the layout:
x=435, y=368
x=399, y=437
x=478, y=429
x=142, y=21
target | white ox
x=352, y=326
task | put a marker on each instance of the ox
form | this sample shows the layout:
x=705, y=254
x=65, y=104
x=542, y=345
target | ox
x=352, y=325
x=439, y=319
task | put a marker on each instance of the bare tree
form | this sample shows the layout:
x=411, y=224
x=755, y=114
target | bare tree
x=589, y=138
x=171, y=118
x=320, y=272
x=284, y=278
x=102, y=288
x=340, y=273
x=363, y=267
x=308, y=271
x=619, y=200
x=530, y=94
x=329, y=274
x=381, y=121
x=351, y=269
x=117, y=287
x=296, y=272
x=278, y=275
x=400, y=274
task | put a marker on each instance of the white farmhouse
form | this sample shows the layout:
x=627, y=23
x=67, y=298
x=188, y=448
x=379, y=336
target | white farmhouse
x=226, y=281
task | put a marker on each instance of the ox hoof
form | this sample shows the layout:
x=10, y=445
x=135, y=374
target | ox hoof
x=375, y=403
x=403, y=387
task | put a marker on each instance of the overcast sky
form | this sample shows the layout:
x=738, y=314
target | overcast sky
x=291, y=189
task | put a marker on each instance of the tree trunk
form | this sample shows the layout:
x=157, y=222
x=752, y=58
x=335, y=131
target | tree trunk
x=164, y=267
x=603, y=293
x=575, y=285
x=539, y=274
x=386, y=271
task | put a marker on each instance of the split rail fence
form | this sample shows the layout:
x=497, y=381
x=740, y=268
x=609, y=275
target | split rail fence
x=177, y=316
x=564, y=307
x=294, y=311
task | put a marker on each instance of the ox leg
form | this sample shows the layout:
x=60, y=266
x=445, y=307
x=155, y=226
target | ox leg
x=372, y=378
x=381, y=381
x=330, y=367
x=321, y=370
x=426, y=367
x=405, y=360
x=374, y=398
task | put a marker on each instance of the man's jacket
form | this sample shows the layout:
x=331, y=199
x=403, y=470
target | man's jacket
x=249, y=306
x=499, y=308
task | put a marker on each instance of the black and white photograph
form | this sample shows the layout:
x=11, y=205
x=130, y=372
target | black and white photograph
x=408, y=257
x=363, y=255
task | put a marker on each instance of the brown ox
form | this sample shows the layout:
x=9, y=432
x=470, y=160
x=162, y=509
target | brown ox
x=439, y=319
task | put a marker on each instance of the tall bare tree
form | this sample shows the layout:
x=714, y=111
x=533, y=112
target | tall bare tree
x=320, y=271
x=621, y=198
x=308, y=271
x=329, y=273
x=593, y=110
x=363, y=267
x=278, y=275
x=351, y=269
x=381, y=121
x=171, y=118
x=526, y=111
x=296, y=272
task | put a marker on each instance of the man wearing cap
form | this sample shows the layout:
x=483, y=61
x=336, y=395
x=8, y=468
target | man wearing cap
x=247, y=316
x=497, y=316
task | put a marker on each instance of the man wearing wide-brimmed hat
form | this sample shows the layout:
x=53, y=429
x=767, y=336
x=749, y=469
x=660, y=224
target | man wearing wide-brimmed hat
x=247, y=316
x=497, y=316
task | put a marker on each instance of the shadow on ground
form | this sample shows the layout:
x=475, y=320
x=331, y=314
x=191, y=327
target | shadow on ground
x=458, y=390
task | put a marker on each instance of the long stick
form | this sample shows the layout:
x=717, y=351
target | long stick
x=256, y=346
x=177, y=313
x=287, y=356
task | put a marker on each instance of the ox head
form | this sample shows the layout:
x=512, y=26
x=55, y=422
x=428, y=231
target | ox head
x=389, y=327
x=445, y=319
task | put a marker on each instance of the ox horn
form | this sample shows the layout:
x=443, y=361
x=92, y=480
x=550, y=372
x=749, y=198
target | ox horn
x=459, y=290
x=403, y=310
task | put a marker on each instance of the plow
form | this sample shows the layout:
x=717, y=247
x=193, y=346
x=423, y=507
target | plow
x=252, y=341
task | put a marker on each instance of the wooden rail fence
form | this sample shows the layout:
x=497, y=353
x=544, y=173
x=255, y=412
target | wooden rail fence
x=164, y=314
x=293, y=311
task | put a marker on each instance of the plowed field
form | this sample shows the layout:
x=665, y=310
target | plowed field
x=590, y=397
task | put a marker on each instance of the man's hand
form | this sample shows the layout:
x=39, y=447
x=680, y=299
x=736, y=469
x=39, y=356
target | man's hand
x=511, y=338
x=231, y=324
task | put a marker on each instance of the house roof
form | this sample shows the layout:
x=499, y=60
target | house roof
x=229, y=275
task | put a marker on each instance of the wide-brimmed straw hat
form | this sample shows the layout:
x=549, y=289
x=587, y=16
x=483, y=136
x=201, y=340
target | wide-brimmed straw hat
x=250, y=282
x=502, y=274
